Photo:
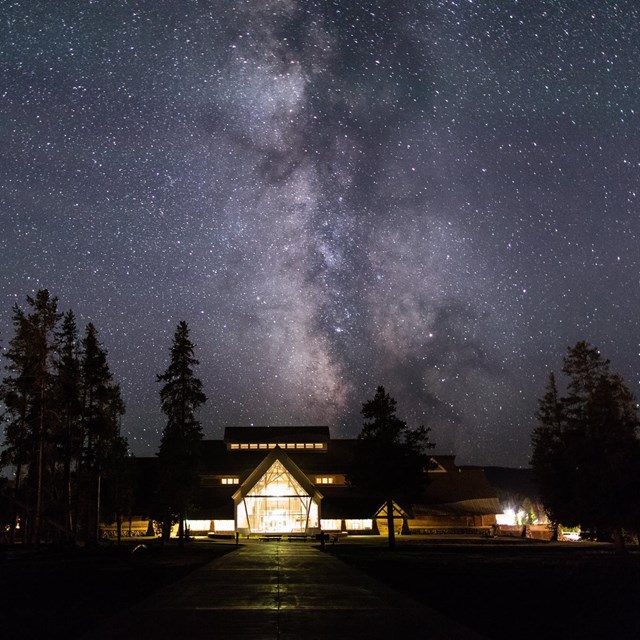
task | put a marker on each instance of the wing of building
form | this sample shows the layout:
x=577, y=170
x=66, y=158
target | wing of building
x=280, y=480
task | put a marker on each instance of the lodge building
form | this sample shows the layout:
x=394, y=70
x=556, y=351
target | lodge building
x=277, y=480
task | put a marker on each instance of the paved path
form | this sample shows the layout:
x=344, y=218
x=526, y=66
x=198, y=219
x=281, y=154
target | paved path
x=280, y=591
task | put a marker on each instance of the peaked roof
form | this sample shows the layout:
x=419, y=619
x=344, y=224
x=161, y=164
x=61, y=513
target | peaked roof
x=279, y=455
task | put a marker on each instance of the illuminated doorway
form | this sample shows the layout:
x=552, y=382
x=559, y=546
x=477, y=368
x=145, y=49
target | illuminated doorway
x=277, y=499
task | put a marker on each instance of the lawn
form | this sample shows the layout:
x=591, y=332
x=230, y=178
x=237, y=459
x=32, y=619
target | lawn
x=508, y=588
x=63, y=593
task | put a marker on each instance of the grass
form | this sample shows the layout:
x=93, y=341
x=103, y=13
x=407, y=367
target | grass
x=508, y=588
x=64, y=593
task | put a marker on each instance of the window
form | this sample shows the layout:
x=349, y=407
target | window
x=223, y=525
x=199, y=525
x=229, y=480
x=324, y=479
x=277, y=503
x=358, y=525
x=272, y=445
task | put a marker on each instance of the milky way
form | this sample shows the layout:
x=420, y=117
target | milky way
x=439, y=197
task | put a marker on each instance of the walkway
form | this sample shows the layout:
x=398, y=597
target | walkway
x=280, y=591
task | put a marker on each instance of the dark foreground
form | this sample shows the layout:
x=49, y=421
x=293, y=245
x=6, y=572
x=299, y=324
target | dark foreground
x=499, y=587
x=520, y=589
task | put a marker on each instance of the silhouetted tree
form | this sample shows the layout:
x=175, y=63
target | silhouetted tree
x=180, y=397
x=118, y=487
x=102, y=409
x=26, y=393
x=586, y=452
x=61, y=415
x=67, y=395
x=391, y=460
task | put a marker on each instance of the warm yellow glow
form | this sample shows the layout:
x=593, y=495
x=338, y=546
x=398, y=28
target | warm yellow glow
x=223, y=525
x=229, y=480
x=277, y=503
x=330, y=524
x=508, y=517
x=198, y=525
x=359, y=524
x=272, y=445
x=324, y=480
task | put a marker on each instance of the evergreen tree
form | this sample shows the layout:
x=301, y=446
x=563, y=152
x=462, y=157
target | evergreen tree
x=180, y=397
x=118, y=487
x=68, y=399
x=586, y=452
x=391, y=460
x=102, y=408
x=26, y=393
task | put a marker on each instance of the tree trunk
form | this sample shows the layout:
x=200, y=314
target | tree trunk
x=118, y=526
x=14, y=507
x=618, y=541
x=391, y=525
x=40, y=467
x=181, y=530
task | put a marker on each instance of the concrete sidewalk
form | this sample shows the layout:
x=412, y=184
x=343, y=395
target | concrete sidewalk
x=279, y=591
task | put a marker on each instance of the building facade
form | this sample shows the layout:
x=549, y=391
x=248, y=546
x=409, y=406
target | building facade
x=273, y=481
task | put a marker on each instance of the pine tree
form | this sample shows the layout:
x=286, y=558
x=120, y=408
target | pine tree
x=391, y=460
x=180, y=396
x=586, y=452
x=69, y=402
x=102, y=408
x=26, y=392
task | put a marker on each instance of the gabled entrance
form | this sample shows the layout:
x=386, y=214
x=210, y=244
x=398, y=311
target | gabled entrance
x=400, y=518
x=277, y=498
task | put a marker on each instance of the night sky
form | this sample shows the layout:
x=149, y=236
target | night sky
x=438, y=197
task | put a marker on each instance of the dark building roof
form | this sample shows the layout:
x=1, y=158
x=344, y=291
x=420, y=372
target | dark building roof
x=216, y=458
x=513, y=483
x=276, y=434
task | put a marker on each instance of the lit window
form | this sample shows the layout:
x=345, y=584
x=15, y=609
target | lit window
x=223, y=525
x=324, y=480
x=330, y=524
x=262, y=445
x=318, y=445
x=199, y=525
x=228, y=480
x=235, y=446
x=308, y=445
x=244, y=446
x=253, y=446
x=358, y=525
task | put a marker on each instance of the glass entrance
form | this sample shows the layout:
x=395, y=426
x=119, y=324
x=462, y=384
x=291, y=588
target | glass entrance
x=277, y=503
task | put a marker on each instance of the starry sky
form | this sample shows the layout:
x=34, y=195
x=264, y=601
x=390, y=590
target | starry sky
x=436, y=196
